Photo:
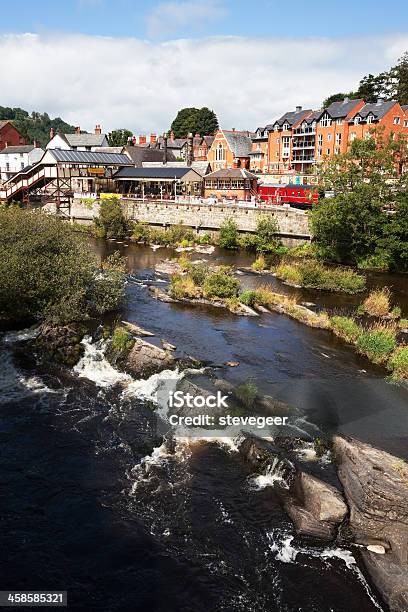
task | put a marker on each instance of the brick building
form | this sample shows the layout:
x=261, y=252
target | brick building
x=231, y=183
x=10, y=136
x=230, y=149
x=201, y=146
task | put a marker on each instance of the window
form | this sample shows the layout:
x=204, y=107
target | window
x=397, y=120
x=352, y=136
x=337, y=150
x=357, y=119
x=276, y=128
x=277, y=141
x=319, y=152
x=370, y=118
x=320, y=140
x=339, y=121
x=22, y=165
x=325, y=121
x=338, y=139
x=220, y=153
x=328, y=137
x=277, y=154
x=327, y=151
x=286, y=126
x=406, y=123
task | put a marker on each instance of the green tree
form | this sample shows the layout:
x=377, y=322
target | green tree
x=47, y=271
x=202, y=121
x=111, y=222
x=338, y=97
x=228, y=236
x=400, y=74
x=119, y=138
x=36, y=126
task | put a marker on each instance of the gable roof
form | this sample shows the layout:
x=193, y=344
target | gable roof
x=18, y=149
x=378, y=109
x=85, y=140
x=208, y=140
x=404, y=107
x=291, y=117
x=162, y=172
x=234, y=173
x=312, y=117
x=199, y=166
x=240, y=143
x=139, y=155
x=340, y=110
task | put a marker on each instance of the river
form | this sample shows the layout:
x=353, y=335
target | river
x=93, y=503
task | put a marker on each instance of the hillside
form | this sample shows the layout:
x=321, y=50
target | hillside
x=35, y=126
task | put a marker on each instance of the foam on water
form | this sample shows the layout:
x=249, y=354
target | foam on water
x=274, y=474
x=95, y=367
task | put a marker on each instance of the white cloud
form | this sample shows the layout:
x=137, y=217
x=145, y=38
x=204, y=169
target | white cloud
x=168, y=18
x=126, y=82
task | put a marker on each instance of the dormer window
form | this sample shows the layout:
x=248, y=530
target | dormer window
x=357, y=119
x=339, y=121
x=397, y=120
x=276, y=127
x=370, y=118
x=286, y=126
x=325, y=121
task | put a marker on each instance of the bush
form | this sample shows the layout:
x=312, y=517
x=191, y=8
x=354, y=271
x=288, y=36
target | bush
x=379, y=261
x=249, y=297
x=377, y=303
x=259, y=264
x=111, y=222
x=398, y=363
x=288, y=273
x=346, y=328
x=247, y=394
x=377, y=343
x=122, y=341
x=141, y=232
x=303, y=251
x=312, y=274
x=228, y=236
x=220, y=284
x=199, y=273
x=47, y=271
x=183, y=287
x=107, y=289
x=266, y=230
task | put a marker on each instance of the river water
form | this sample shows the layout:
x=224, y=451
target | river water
x=93, y=503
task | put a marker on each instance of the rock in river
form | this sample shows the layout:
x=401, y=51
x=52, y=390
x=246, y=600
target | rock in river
x=376, y=488
x=146, y=359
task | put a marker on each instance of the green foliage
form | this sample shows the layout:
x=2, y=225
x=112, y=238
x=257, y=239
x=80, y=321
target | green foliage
x=183, y=287
x=228, y=236
x=111, y=222
x=141, y=232
x=35, y=126
x=398, y=363
x=194, y=120
x=346, y=328
x=199, y=273
x=47, y=272
x=303, y=251
x=377, y=343
x=264, y=240
x=377, y=303
x=380, y=260
x=259, y=264
x=249, y=297
x=314, y=275
x=121, y=342
x=338, y=97
x=107, y=289
x=119, y=138
x=220, y=284
x=173, y=236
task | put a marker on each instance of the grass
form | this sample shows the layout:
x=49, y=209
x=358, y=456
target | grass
x=377, y=342
x=403, y=323
x=182, y=287
x=398, y=363
x=259, y=264
x=377, y=303
x=220, y=284
x=346, y=328
x=122, y=341
x=302, y=252
x=314, y=275
x=246, y=394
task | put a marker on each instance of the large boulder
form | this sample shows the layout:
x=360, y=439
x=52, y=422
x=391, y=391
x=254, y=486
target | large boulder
x=376, y=487
x=61, y=343
x=146, y=359
x=315, y=507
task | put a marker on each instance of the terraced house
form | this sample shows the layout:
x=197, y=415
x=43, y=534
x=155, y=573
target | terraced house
x=300, y=139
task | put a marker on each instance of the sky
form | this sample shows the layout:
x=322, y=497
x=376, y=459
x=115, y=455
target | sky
x=133, y=64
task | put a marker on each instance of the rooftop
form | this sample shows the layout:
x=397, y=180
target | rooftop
x=240, y=143
x=378, y=109
x=233, y=173
x=18, y=149
x=162, y=172
x=90, y=157
x=340, y=110
x=85, y=140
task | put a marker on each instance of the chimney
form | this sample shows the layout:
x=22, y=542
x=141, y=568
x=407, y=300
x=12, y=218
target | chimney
x=189, y=149
x=298, y=109
x=98, y=129
x=164, y=149
x=77, y=130
x=142, y=139
x=133, y=141
x=52, y=133
x=153, y=138
x=346, y=100
x=35, y=144
x=171, y=135
x=233, y=129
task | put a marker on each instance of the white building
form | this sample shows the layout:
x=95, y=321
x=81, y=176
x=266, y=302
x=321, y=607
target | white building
x=78, y=141
x=15, y=158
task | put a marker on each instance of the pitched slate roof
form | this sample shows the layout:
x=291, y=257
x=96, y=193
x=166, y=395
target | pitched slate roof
x=209, y=140
x=340, y=110
x=139, y=155
x=234, y=173
x=199, y=166
x=90, y=157
x=85, y=140
x=291, y=117
x=378, y=109
x=240, y=143
x=163, y=172
x=405, y=108
x=313, y=117
x=18, y=149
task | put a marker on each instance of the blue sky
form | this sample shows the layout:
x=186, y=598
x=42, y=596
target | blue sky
x=134, y=64
x=176, y=19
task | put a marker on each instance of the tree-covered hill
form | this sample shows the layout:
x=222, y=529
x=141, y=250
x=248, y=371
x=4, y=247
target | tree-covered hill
x=35, y=126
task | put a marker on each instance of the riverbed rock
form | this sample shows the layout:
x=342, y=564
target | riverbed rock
x=167, y=346
x=315, y=507
x=168, y=266
x=136, y=329
x=376, y=488
x=61, y=343
x=146, y=359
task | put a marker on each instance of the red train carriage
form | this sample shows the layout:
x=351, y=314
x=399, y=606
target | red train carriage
x=298, y=196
